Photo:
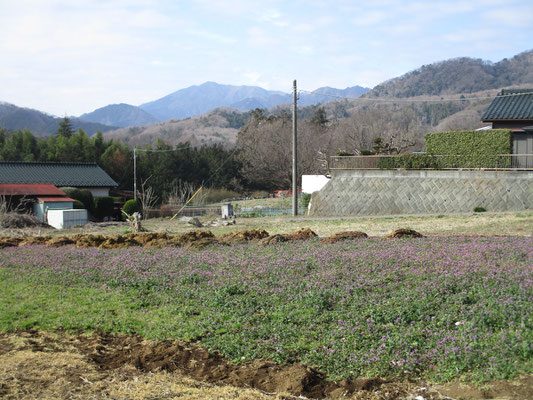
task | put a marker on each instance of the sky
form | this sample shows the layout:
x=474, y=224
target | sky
x=68, y=57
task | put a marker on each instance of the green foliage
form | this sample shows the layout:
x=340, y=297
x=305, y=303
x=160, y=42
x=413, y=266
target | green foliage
x=83, y=195
x=479, y=209
x=65, y=128
x=409, y=161
x=306, y=198
x=103, y=206
x=475, y=149
x=344, y=154
x=217, y=195
x=132, y=206
x=79, y=205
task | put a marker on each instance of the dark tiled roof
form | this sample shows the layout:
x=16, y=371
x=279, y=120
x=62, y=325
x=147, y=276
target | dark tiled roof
x=511, y=104
x=56, y=173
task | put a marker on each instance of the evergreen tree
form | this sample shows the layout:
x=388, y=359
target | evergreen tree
x=65, y=128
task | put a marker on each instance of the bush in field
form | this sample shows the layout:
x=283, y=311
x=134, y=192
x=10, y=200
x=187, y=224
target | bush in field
x=217, y=195
x=132, y=206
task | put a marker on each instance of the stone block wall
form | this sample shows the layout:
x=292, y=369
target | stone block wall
x=386, y=192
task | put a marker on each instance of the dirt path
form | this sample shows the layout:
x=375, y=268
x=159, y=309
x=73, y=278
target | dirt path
x=46, y=365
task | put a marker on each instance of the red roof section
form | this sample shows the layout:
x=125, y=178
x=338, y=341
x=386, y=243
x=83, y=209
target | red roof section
x=53, y=199
x=30, y=189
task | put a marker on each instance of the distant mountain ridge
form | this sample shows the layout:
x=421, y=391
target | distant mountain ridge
x=199, y=99
x=121, y=115
x=196, y=100
x=459, y=75
x=39, y=123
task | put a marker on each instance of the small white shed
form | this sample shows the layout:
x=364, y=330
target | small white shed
x=60, y=219
x=43, y=204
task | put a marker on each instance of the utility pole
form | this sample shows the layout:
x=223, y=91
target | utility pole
x=294, y=152
x=135, y=172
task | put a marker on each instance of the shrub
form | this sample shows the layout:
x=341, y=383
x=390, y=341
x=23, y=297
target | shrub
x=479, y=209
x=413, y=161
x=344, y=154
x=258, y=194
x=132, y=206
x=103, y=206
x=306, y=198
x=217, y=195
x=83, y=195
x=79, y=205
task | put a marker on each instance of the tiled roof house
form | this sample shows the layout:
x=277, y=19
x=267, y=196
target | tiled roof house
x=511, y=109
x=76, y=174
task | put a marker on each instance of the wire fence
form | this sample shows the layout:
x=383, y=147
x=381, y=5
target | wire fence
x=432, y=161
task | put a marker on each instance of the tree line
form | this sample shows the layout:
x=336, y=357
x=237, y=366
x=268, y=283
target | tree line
x=204, y=165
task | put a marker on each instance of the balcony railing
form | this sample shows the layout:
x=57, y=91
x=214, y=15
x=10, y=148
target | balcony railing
x=430, y=161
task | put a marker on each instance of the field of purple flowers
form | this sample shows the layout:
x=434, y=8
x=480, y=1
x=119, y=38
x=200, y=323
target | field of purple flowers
x=435, y=307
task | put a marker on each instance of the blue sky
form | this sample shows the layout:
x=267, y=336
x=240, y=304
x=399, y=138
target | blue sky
x=67, y=57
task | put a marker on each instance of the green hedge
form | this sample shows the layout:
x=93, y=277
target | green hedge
x=103, y=206
x=478, y=149
x=458, y=149
x=83, y=195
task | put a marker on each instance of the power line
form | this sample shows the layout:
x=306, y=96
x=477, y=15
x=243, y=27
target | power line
x=396, y=100
x=163, y=151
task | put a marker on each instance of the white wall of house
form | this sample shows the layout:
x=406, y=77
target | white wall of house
x=98, y=191
x=313, y=183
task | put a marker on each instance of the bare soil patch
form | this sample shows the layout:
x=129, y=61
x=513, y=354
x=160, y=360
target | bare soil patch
x=36, y=364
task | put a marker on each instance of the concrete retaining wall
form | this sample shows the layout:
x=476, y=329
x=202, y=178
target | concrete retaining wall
x=385, y=192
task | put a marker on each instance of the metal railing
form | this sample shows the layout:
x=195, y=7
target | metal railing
x=431, y=161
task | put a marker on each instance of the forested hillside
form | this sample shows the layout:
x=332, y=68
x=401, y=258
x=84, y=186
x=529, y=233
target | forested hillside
x=41, y=124
x=219, y=126
x=459, y=75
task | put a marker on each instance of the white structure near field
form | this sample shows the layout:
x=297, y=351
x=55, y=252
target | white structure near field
x=313, y=183
x=60, y=219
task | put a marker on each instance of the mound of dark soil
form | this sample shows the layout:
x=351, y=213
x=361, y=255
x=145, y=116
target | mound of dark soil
x=115, y=351
x=9, y=241
x=242, y=236
x=404, y=233
x=272, y=240
x=350, y=235
x=301, y=234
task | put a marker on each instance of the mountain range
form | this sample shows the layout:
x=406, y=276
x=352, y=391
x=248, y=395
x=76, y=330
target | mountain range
x=199, y=99
x=162, y=117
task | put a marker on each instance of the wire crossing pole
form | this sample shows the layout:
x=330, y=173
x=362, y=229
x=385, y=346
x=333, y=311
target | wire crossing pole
x=135, y=172
x=294, y=152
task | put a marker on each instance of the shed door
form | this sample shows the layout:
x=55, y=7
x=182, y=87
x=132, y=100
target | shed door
x=523, y=149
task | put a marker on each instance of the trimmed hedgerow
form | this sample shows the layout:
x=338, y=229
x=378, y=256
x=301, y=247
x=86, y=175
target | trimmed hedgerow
x=83, y=195
x=475, y=149
x=458, y=149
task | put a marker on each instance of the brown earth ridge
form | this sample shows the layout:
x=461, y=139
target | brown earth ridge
x=191, y=240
